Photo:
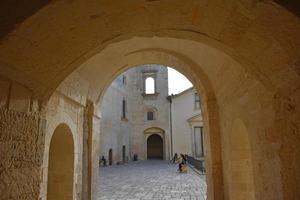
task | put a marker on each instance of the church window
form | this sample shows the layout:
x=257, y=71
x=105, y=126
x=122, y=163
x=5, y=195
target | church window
x=123, y=109
x=124, y=80
x=150, y=115
x=149, y=85
x=198, y=138
x=197, y=101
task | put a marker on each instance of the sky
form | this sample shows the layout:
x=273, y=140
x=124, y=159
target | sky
x=177, y=81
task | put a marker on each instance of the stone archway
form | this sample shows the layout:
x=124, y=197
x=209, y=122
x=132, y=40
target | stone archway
x=155, y=147
x=61, y=164
x=254, y=33
x=160, y=142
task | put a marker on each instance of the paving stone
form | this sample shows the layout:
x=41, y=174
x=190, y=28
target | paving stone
x=145, y=180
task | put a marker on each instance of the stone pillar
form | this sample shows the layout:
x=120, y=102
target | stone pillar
x=213, y=161
x=85, y=157
x=91, y=151
x=95, y=153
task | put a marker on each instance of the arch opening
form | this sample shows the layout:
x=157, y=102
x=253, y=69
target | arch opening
x=198, y=74
x=155, y=147
x=61, y=164
x=146, y=147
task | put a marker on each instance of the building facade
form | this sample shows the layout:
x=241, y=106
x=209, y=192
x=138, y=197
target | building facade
x=116, y=119
x=135, y=116
x=187, y=123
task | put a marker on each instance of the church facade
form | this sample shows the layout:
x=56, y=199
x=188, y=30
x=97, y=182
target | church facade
x=139, y=119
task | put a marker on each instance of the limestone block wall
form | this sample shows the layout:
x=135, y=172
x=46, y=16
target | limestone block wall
x=22, y=132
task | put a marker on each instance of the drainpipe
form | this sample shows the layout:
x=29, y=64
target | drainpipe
x=169, y=98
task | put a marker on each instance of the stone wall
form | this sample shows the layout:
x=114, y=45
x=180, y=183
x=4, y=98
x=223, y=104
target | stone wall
x=21, y=153
x=22, y=133
x=286, y=130
x=142, y=103
x=183, y=110
x=66, y=106
x=260, y=35
x=90, y=152
x=115, y=130
x=63, y=110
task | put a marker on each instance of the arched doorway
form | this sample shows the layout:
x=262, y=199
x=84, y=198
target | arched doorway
x=110, y=159
x=155, y=147
x=61, y=164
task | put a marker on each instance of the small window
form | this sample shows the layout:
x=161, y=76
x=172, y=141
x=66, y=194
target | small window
x=197, y=101
x=198, y=138
x=124, y=109
x=149, y=85
x=124, y=80
x=150, y=115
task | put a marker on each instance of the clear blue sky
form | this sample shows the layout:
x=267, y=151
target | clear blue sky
x=177, y=82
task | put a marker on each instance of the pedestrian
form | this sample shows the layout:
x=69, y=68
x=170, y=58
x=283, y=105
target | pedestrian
x=103, y=161
x=175, y=158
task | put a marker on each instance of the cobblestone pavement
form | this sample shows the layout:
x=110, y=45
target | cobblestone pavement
x=145, y=180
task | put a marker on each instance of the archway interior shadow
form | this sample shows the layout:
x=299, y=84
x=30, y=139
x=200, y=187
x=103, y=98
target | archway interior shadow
x=61, y=164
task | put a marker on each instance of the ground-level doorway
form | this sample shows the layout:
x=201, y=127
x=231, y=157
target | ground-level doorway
x=124, y=153
x=155, y=147
x=110, y=155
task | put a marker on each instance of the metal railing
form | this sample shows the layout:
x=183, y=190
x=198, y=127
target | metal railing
x=196, y=163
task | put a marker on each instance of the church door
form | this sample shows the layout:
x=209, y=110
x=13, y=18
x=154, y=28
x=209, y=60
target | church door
x=155, y=147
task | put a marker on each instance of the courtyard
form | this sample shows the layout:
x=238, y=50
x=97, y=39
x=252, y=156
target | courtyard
x=58, y=60
x=152, y=179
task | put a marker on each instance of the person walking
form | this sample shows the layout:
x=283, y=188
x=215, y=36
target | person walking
x=175, y=158
x=103, y=161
